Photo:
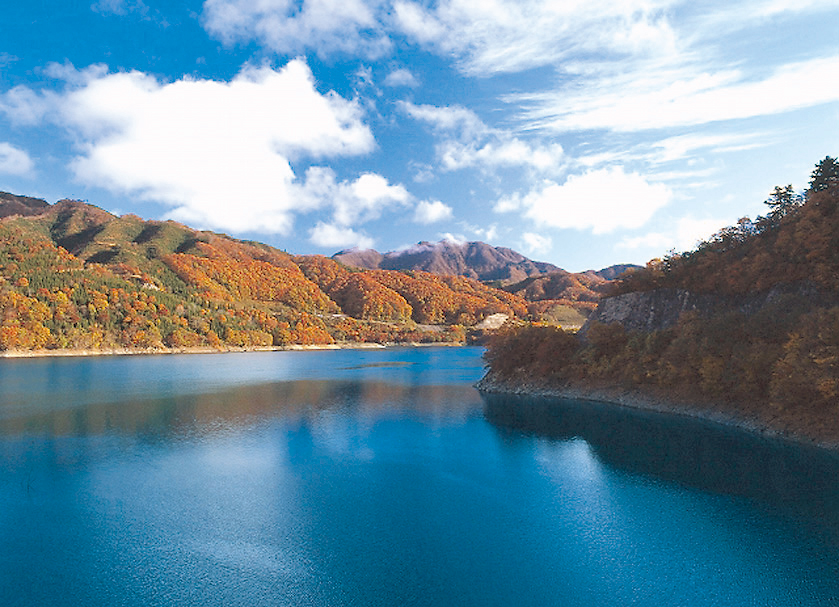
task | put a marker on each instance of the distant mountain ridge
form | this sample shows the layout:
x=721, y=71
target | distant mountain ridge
x=535, y=281
x=475, y=259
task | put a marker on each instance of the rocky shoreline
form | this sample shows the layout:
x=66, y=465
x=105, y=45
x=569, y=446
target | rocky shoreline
x=776, y=428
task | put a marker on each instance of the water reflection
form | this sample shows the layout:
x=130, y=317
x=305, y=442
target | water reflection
x=379, y=485
x=189, y=415
x=675, y=449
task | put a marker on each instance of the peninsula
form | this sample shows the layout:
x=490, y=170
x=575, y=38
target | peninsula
x=744, y=329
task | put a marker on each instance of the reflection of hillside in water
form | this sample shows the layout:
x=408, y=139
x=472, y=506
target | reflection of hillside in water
x=690, y=452
x=191, y=414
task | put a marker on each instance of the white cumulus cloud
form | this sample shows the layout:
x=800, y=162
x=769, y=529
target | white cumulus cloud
x=447, y=118
x=432, y=211
x=536, y=243
x=353, y=202
x=455, y=239
x=601, y=201
x=26, y=107
x=330, y=235
x=14, y=161
x=218, y=153
x=289, y=27
x=401, y=77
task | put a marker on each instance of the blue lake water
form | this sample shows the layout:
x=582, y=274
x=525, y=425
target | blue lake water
x=383, y=478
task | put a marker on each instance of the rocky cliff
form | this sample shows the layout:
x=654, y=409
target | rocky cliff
x=661, y=308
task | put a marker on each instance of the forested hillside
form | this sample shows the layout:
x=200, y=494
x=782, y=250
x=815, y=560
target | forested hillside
x=554, y=295
x=748, y=320
x=75, y=276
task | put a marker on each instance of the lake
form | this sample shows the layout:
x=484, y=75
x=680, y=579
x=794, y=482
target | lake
x=382, y=477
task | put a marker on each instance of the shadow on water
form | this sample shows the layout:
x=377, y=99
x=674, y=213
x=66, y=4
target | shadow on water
x=690, y=452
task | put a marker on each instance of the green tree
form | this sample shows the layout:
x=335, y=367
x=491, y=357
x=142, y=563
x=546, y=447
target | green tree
x=825, y=175
x=782, y=200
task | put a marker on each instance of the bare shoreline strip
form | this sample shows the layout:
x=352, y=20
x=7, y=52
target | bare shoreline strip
x=635, y=399
x=71, y=352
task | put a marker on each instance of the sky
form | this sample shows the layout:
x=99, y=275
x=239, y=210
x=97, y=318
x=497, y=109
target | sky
x=584, y=134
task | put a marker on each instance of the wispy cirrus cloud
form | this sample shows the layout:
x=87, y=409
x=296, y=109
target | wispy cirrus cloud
x=499, y=36
x=119, y=7
x=466, y=142
x=654, y=152
x=679, y=97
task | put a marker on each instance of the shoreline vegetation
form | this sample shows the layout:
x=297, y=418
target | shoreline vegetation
x=743, y=330
x=75, y=277
x=706, y=411
x=81, y=352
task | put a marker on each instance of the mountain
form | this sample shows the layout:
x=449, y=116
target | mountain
x=568, y=287
x=534, y=281
x=73, y=275
x=11, y=204
x=476, y=260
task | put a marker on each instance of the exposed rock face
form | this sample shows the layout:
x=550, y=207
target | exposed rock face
x=650, y=310
x=493, y=322
x=660, y=309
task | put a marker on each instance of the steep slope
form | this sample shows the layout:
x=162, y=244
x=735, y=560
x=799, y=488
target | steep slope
x=11, y=204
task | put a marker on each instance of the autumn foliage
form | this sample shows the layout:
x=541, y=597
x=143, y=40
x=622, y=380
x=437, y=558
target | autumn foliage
x=76, y=276
x=776, y=360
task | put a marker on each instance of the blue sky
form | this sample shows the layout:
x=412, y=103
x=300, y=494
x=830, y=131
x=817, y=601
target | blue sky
x=580, y=133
